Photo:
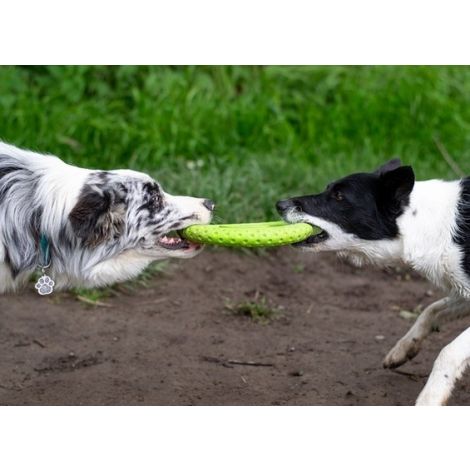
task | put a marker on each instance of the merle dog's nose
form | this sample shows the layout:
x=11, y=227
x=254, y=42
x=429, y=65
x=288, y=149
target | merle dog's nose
x=208, y=204
x=283, y=206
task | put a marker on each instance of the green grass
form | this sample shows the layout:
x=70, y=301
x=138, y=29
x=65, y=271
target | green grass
x=258, y=309
x=243, y=136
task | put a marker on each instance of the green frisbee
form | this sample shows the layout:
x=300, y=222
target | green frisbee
x=254, y=235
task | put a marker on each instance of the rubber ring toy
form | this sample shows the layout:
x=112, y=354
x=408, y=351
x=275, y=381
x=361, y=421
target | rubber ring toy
x=252, y=235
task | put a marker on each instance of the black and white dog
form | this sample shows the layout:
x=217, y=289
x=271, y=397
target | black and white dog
x=96, y=227
x=386, y=217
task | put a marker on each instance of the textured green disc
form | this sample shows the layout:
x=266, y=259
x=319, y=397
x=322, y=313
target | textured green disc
x=262, y=234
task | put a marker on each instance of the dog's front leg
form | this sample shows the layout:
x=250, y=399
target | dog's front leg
x=409, y=345
x=122, y=267
x=446, y=309
x=448, y=368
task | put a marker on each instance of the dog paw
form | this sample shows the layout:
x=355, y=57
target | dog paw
x=45, y=285
x=402, y=352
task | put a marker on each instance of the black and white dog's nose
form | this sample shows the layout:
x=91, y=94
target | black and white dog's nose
x=208, y=204
x=283, y=206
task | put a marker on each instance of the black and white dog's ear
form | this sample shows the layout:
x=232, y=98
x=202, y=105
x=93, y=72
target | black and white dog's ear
x=389, y=166
x=396, y=186
x=98, y=215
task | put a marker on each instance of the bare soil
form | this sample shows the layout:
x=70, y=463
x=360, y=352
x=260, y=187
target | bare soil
x=176, y=342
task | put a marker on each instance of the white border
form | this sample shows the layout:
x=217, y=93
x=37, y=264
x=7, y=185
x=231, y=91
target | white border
x=235, y=32
x=229, y=32
x=234, y=438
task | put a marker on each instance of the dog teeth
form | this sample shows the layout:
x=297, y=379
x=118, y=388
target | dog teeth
x=176, y=243
x=170, y=240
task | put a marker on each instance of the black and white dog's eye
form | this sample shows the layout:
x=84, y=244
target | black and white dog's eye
x=338, y=195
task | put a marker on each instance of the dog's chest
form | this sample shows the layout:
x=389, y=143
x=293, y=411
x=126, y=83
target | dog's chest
x=429, y=229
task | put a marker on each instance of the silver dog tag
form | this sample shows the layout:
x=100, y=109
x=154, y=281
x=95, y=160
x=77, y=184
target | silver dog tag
x=45, y=285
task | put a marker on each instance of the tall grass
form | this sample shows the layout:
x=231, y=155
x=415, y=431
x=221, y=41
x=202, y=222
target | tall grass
x=244, y=136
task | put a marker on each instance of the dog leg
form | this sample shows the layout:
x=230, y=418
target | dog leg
x=408, y=346
x=432, y=317
x=448, y=368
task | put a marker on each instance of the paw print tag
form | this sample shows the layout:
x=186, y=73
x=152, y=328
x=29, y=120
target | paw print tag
x=45, y=285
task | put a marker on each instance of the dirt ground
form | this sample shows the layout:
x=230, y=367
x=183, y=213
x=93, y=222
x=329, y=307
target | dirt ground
x=177, y=343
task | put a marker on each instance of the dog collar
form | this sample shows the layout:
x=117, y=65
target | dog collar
x=44, y=252
x=44, y=285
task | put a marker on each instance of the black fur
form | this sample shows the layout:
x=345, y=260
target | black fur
x=12, y=267
x=462, y=235
x=152, y=197
x=364, y=204
x=15, y=178
x=5, y=171
x=97, y=216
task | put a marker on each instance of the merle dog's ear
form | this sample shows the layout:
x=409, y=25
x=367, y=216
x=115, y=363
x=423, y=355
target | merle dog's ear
x=396, y=186
x=389, y=166
x=98, y=215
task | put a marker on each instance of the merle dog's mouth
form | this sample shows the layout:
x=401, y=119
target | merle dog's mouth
x=174, y=241
x=313, y=239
